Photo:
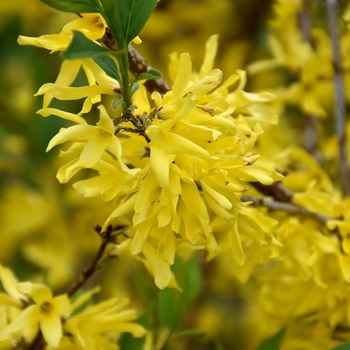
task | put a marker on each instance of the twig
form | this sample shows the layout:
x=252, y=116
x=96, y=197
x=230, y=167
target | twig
x=305, y=22
x=287, y=207
x=87, y=273
x=137, y=64
x=340, y=104
x=38, y=343
x=310, y=121
x=275, y=190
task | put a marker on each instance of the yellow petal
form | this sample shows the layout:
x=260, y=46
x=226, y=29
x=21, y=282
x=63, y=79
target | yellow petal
x=160, y=160
x=161, y=270
x=73, y=93
x=93, y=151
x=72, y=133
x=53, y=42
x=236, y=245
x=121, y=210
x=51, y=329
x=211, y=47
x=45, y=112
x=183, y=75
x=37, y=292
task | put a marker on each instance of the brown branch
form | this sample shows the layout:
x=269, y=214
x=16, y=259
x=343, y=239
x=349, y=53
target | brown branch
x=287, y=207
x=138, y=65
x=106, y=238
x=38, y=343
x=310, y=134
x=275, y=190
x=305, y=22
x=340, y=104
x=87, y=273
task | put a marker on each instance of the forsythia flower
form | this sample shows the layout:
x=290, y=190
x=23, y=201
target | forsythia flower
x=196, y=163
x=99, y=138
x=93, y=26
x=308, y=58
x=191, y=164
x=61, y=323
x=107, y=317
x=46, y=314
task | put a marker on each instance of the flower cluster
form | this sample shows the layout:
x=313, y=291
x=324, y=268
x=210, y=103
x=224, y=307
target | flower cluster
x=187, y=168
x=29, y=310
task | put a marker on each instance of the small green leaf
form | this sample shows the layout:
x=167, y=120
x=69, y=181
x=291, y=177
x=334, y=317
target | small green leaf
x=142, y=284
x=170, y=308
x=345, y=346
x=118, y=103
x=75, y=6
x=108, y=65
x=134, y=88
x=151, y=74
x=274, y=342
x=82, y=47
x=189, y=278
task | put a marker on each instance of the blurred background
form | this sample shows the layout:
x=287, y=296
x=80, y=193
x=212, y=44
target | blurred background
x=34, y=208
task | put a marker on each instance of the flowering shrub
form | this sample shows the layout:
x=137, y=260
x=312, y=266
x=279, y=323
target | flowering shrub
x=241, y=223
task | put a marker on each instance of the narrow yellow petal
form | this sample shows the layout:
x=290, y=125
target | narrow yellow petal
x=51, y=329
x=161, y=270
x=53, y=42
x=183, y=75
x=211, y=48
x=160, y=160
x=236, y=245
x=45, y=112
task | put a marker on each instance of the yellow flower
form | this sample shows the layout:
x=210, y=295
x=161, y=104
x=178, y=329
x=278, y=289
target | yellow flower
x=195, y=164
x=93, y=26
x=88, y=327
x=199, y=163
x=46, y=314
x=9, y=283
x=99, y=83
x=97, y=139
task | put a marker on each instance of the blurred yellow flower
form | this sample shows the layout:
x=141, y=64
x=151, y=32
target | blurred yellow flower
x=87, y=327
x=46, y=314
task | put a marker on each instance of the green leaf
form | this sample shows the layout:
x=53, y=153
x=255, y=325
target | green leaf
x=134, y=15
x=118, y=103
x=82, y=47
x=193, y=280
x=170, y=308
x=142, y=284
x=126, y=18
x=108, y=65
x=274, y=342
x=189, y=278
x=133, y=88
x=342, y=347
x=151, y=74
x=75, y=6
